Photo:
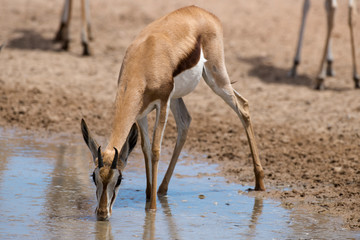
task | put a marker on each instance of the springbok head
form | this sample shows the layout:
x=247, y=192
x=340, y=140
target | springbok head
x=108, y=170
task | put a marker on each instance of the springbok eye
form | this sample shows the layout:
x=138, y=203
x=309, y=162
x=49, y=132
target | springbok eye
x=118, y=181
x=93, y=177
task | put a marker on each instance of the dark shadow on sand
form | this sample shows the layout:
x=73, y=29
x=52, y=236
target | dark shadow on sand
x=31, y=40
x=263, y=68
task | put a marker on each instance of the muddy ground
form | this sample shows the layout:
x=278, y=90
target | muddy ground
x=309, y=141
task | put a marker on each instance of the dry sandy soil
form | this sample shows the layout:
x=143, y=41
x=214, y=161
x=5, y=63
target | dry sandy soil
x=309, y=141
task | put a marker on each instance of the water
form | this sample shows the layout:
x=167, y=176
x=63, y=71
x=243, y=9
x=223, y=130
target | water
x=46, y=193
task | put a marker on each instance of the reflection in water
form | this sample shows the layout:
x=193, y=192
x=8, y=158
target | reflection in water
x=46, y=193
x=4, y=153
x=256, y=213
x=149, y=225
x=173, y=231
x=150, y=221
x=67, y=194
x=103, y=230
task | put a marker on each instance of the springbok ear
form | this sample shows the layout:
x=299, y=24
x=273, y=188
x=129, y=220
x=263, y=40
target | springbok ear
x=129, y=144
x=89, y=140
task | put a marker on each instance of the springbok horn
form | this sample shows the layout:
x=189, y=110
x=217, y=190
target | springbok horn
x=100, y=160
x=114, y=163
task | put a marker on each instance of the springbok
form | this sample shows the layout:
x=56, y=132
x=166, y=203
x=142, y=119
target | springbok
x=164, y=63
x=63, y=34
x=326, y=67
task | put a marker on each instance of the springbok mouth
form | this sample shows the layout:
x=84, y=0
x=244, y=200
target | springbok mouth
x=102, y=218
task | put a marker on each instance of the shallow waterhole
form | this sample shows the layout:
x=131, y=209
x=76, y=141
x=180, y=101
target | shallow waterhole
x=46, y=193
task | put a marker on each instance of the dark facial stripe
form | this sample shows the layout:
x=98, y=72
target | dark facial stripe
x=103, y=198
x=112, y=200
x=93, y=178
x=190, y=60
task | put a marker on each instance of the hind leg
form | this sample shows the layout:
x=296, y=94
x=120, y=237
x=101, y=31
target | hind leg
x=352, y=12
x=330, y=8
x=216, y=77
x=146, y=149
x=64, y=15
x=297, y=58
x=329, y=59
x=62, y=34
x=85, y=27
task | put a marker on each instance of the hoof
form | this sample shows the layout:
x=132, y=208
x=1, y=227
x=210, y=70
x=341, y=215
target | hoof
x=57, y=38
x=65, y=45
x=255, y=189
x=86, y=50
x=330, y=73
x=357, y=81
x=292, y=73
x=86, y=53
x=329, y=70
x=259, y=189
x=59, y=35
x=162, y=192
x=320, y=84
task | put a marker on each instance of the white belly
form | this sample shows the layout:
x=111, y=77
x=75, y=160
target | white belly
x=186, y=81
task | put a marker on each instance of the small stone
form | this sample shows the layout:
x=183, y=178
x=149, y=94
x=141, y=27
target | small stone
x=201, y=196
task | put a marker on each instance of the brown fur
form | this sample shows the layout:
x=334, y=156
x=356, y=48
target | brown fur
x=162, y=50
x=154, y=57
x=106, y=174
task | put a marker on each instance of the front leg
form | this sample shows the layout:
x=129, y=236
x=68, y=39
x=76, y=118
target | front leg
x=162, y=112
x=182, y=119
x=85, y=27
x=64, y=15
x=300, y=41
x=146, y=148
x=352, y=12
x=330, y=8
x=63, y=32
x=329, y=59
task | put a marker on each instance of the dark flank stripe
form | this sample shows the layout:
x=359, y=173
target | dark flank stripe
x=112, y=201
x=190, y=60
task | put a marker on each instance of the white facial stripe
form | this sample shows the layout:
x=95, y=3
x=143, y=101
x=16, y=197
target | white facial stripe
x=99, y=186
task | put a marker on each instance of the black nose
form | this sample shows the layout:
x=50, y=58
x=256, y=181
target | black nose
x=102, y=215
x=100, y=218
